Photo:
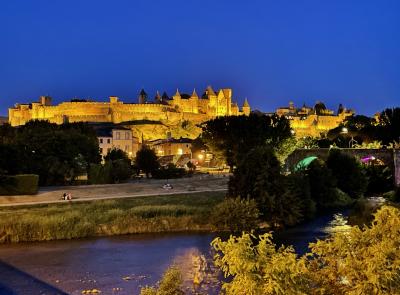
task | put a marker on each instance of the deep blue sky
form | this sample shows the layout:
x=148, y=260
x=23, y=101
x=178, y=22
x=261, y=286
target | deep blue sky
x=344, y=51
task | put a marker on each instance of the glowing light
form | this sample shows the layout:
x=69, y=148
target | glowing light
x=180, y=152
x=200, y=156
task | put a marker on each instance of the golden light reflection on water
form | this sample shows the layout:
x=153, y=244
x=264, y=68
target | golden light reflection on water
x=198, y=272
x=338, y=224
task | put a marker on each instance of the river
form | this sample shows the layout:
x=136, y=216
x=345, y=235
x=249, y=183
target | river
x=122, y=264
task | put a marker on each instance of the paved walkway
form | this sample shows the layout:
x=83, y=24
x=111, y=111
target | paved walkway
x=139, y=188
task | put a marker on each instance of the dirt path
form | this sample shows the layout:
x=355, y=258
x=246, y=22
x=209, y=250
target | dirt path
x=138, y=188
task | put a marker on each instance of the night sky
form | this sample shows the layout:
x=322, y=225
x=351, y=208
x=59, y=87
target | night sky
x=269, y=51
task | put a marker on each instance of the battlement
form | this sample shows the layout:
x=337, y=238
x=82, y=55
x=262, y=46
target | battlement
x=202, y=108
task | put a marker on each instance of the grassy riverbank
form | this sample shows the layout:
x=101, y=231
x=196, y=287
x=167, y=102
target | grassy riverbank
x=108, y=217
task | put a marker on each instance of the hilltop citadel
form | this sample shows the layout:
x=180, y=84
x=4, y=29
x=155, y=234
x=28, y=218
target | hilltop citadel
x=179, y=107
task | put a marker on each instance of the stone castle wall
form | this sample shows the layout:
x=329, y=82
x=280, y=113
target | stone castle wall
x=193, y=109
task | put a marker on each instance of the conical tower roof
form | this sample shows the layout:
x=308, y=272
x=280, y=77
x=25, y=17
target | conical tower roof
x=210, y=91
x=246, y=103
x=165, y=96
x=157, y=97
x=194, y=94
x=143, y=93
x=177, y=92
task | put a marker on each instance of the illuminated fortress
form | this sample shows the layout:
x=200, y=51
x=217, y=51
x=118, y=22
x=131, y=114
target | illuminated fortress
x=177, y=108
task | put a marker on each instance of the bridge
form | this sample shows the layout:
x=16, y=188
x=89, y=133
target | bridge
x=389, y=157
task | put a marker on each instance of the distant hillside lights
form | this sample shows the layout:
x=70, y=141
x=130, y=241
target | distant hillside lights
x=179, y=107
x=313, y=121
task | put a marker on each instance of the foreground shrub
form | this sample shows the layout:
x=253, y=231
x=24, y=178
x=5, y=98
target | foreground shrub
x=170, y=284
x=358, y=261
x=24, y=184
x=236, y=215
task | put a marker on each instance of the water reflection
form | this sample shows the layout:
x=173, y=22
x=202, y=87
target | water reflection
x=123, y=264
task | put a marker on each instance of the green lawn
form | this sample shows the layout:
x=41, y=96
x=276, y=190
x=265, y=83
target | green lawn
x=108, y=217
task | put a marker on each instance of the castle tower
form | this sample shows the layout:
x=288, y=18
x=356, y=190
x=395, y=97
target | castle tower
x=45, y=100
x=157, y=98
x=164, y=97
x=228, y=100
x=194, y=102
x=177, y=98
x=142, y=96
x=212, y=101
x=114, y=99
x=246, y=107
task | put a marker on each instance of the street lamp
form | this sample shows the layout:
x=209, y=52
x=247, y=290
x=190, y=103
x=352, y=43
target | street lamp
x=352, y=140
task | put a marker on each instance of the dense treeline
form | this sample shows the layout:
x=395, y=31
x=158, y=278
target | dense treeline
x=57, y=153
x=256, y=146
x=232, y=137
x=384, y=130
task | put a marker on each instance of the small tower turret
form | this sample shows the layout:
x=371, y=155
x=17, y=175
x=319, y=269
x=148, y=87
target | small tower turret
x=246, y=107
x=194, y=102
x=157, y=98
x=164, y=96
x=142, y=96
x=45, y=100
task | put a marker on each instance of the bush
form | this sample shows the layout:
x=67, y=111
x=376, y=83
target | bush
x=100, y=174
x=236, y=215
x=170, y=284
x=393, y=196
x=358, y=261
x=121, y=170
x=23, y=184
x=168, y=172
x=380, y=179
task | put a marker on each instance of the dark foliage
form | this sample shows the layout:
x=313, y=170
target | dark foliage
x=146, y=161
x=258, y=177
x=347, y=171
x=232, y=137
x=380, y=179
x=168, y=172
x=57, y=153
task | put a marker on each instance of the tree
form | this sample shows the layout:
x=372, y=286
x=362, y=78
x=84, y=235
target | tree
x=348, y=172
x=55, y=152
x=232, y=137
x=259, y=269
x=389, y=125
x=258, y=177
x=117, y=154
x=146, y=160
x=322, y=184
x=358, y=261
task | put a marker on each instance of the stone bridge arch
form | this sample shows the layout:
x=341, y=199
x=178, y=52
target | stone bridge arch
x=390, y=157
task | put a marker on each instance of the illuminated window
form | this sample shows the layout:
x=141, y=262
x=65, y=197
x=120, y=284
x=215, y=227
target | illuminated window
x=180, y=151
x=126, y=135
x=118, y=135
